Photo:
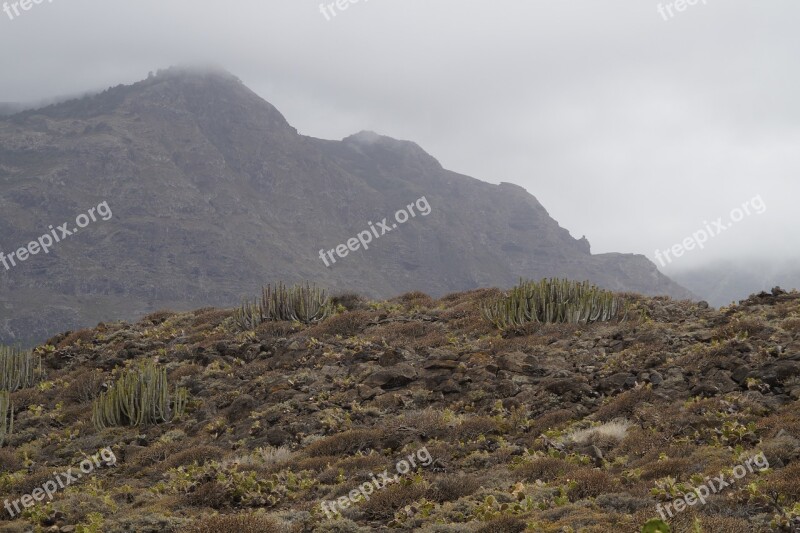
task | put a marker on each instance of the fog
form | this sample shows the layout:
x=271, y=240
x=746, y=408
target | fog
x=631, y=127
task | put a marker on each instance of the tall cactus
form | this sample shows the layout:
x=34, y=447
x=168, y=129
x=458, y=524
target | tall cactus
x=139, y=396
x=554, y=300
x=303, y=303
x=6, y=416
x=18, y=369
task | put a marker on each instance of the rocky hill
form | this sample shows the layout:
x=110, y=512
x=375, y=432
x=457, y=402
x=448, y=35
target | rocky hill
x=553, y=428
x=213, y=193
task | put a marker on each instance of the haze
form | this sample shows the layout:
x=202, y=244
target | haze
x=630, y=129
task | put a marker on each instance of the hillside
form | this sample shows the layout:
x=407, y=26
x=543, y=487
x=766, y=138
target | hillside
x=584, y=428
x=211, y=192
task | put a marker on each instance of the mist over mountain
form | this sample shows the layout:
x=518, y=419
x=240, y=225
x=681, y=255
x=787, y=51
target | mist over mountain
x=214, y=193
x=724, y=282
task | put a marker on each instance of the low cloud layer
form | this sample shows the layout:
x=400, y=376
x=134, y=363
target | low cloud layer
x=631, y=129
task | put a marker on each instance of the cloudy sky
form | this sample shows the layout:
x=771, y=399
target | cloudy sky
x=631, y=127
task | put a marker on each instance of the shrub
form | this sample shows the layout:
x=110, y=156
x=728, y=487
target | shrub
x=139, y=396
x=239, y=523
x=554, y=301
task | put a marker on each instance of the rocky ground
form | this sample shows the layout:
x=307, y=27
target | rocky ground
x=559, y=428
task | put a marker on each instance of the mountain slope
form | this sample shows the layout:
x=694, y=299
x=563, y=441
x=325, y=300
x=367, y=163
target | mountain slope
x=213, y=193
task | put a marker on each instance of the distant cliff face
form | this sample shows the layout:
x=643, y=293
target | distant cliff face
x=213, y=193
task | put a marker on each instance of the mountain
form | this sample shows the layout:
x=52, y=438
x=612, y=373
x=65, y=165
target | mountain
x=211, y=193
x=723, y=282
x=559, y=427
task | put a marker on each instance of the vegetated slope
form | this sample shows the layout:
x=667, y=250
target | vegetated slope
x=213, y=193
x=559, y=427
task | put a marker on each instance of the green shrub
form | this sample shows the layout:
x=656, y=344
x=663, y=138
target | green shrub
x=554, y=301
x=139, y=396
x=18, y=369
x=301, y=303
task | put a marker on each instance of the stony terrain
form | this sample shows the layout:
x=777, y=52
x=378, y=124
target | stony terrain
x=558, y=428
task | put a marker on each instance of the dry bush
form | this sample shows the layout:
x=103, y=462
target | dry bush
x=504, y=524
x=414, y=299
x=590, y=483
x=624, y=405
x=9, y=460
x=276, y=329
x=473, y=427
x=183, y=371
x=345, y=324
x=209, y=318
x=674, y=466
x=209, y=494
x=157, y=317
x=84, y=386
x=349, y=300
x=427, y=422
x=194, y=454
x=157, y=453
x=314, y=464
x=347, y=442
x=24, y=398
x=384, y=503
x=610, y=431
x=785, y=482
x=238, y=523
x=547, y=469
x=32, y=480
x=85, y=336
x=450, y=487
x=791, y=325
x=550, y=420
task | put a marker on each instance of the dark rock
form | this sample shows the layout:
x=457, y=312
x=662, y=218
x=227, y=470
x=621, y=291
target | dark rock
x=392, y=378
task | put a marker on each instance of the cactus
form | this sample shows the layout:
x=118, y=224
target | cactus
x=656, y=526
x=306, y=304
x=6, y=416
x=554, y=300
x=18, y=369
x=139, y=396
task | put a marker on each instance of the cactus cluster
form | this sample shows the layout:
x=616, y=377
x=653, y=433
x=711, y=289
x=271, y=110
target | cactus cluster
x=302, y=303
x=18, y=369
x=6, y=416
x=139, y=396
x=552, y=301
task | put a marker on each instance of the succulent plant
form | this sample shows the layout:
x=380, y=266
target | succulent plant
x=554, y=300
x=656, y=526
x=302, y=303
x=18, y=369
x=6, y=416
x=139, y=396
